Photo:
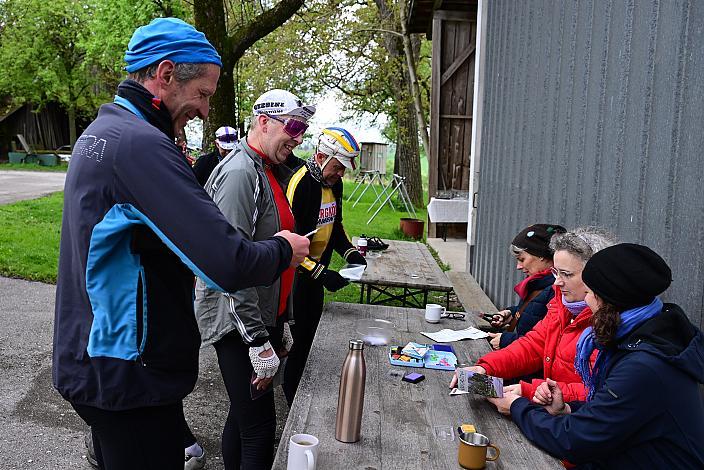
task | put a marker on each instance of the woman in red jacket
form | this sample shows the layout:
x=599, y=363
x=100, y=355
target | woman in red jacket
x=551, y=344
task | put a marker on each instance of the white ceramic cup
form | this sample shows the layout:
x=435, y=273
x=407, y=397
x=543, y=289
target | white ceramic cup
x=302, y=452
x=433, y=312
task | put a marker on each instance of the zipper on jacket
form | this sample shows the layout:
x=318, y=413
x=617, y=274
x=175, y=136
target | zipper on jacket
x=140, y=317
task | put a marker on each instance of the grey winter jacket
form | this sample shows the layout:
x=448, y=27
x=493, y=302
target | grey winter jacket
x=241, y=190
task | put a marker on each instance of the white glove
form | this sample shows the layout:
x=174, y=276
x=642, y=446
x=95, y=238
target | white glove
x=265, y=367
x=287, y=338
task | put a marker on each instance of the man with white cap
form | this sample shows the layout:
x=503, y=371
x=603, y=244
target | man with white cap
x=315, y=194
x=125, y=337
x=225, y=140
x=249, y=328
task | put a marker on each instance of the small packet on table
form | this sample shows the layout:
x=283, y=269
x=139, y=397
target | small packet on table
x=415, y=350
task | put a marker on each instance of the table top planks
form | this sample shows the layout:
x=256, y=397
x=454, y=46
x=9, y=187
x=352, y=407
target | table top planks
x=406, y=264
x=400, y=419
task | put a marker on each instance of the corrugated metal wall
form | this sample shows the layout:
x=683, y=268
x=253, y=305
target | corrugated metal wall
x=594, y=115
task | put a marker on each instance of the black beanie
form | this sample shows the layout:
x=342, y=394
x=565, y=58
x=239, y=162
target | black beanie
x=535, y=239
x=627, y=275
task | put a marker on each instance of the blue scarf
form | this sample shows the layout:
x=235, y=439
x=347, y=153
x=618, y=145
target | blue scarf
x=630, y=319
x=574, y=307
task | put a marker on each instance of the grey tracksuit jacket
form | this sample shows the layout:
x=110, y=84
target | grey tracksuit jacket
x=241, y=190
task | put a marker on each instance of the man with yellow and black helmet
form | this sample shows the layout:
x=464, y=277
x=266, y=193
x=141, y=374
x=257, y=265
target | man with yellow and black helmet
x=315, y=194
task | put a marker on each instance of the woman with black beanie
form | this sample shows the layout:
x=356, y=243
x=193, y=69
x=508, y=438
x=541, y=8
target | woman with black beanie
x=644, y=407
x=531, y=247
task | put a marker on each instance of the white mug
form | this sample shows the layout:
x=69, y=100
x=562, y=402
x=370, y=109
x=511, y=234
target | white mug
x=302, y=452
x=433, y=312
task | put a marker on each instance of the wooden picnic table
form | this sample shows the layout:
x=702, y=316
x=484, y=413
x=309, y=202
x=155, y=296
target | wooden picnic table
x=401, y=421
x=407, y=266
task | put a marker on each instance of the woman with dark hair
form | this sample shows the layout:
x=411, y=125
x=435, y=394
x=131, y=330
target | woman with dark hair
x=644, y=407
x=531, y=247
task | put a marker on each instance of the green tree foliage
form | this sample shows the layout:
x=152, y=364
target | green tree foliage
x=355, y=48
x=70, y=51
x=43, y=58
x=113, y=22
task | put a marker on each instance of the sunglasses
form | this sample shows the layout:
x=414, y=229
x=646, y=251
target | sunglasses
x=293, y=127
x=227, y=138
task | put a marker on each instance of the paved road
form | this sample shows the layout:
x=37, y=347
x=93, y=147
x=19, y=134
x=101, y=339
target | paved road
x=18, y=185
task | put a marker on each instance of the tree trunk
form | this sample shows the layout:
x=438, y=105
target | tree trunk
x=71, y=111
x=210, y=19
x=407, y=141
x=407, y=155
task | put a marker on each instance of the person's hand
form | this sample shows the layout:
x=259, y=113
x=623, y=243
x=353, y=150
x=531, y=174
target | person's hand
x=286, y=341
x=332, y=280
x=542, y=395
x=515, y=389
x=265, y=364
x=475, y=369
x=495, y=341
x=299, y=246
x=355, y=258
x=501, y=319
x=558, y=405
x=503, y=405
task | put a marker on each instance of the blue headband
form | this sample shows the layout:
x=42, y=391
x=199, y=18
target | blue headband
x=169, y=38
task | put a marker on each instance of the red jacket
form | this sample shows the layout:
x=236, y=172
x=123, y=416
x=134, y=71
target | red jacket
x=550, y=345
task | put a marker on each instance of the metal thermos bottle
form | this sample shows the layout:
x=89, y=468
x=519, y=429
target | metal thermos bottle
x=350, y=400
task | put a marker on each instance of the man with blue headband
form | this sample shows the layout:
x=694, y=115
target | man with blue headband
x=315, y=194
x=125, y=336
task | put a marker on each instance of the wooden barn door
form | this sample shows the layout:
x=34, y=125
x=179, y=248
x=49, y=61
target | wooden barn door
x=453, y=59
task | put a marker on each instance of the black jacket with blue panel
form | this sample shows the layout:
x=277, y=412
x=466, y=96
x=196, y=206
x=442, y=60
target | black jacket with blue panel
x=134, y=222
x=647, y=411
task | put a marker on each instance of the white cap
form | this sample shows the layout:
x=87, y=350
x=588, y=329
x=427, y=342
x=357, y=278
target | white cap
x=226, y=137
x=276, y=102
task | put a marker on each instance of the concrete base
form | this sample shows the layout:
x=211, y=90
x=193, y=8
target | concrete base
x=452, y=252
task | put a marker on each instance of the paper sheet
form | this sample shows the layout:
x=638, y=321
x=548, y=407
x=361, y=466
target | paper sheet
x=352, y=272
x=447, y=335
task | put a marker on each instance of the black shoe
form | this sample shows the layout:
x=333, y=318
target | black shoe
x=376, y=244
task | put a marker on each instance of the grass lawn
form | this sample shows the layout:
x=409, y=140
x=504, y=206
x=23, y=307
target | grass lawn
x=29, y=236
x=61, y=167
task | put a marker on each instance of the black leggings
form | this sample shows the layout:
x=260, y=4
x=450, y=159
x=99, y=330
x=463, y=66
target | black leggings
x=248, y=437
x=188, y=438
x=138, y=439
x=308, y=296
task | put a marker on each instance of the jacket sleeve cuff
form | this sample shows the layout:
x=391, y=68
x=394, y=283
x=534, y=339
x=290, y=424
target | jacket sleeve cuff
x=486, y=366
x=286, y=254
x=312, y=268
x=518, y=407
x=527, y=389
x=258, y=341
x=507, y=337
